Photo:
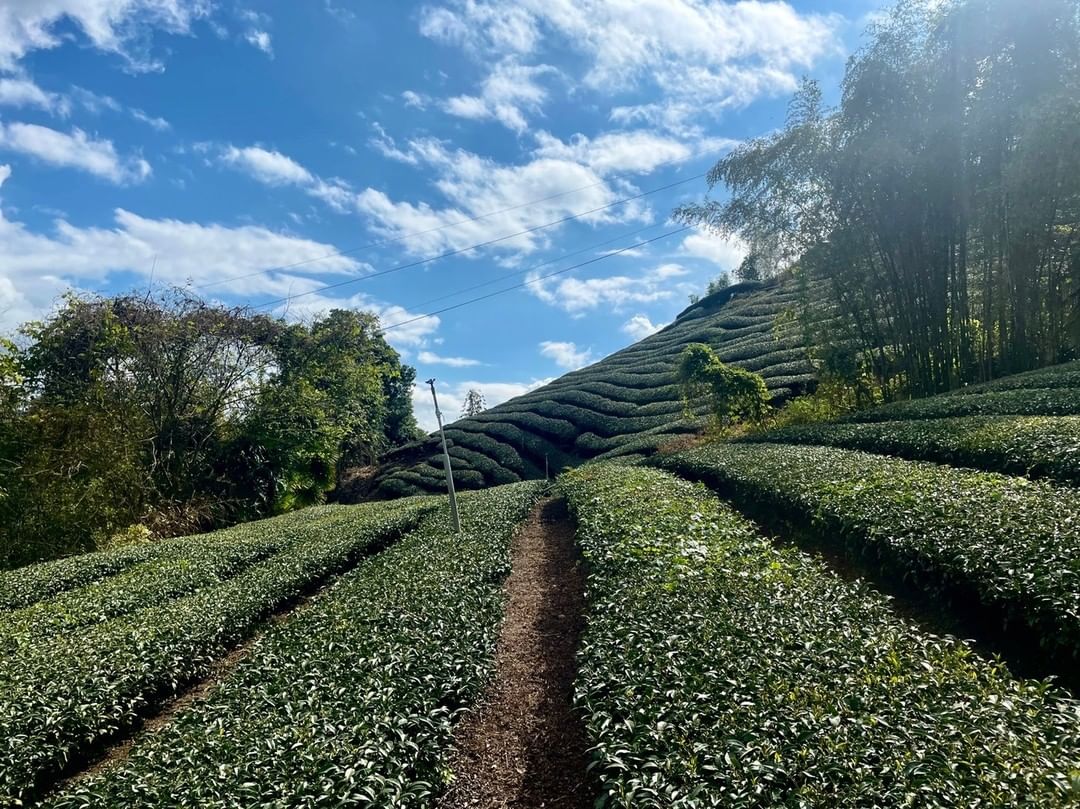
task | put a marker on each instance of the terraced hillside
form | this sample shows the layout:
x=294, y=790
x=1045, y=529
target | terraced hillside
x=624, y=403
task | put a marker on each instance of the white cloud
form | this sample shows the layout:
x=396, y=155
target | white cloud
x=506, y=27
x=385, y=145
x=509, y=92
x=636, y=152
x=565, y=355
x=276, y=169
x=475, y=187
x=23, y=92
x=452, y=397
x=160, y=124
x=93, y=102
x=267, y=166
x=76, y=150
x=36, y=267
x=725, y=253
x=260, y=40
x=576, y=296
x=703, y=56
x=415, y=100
x=639, y=327
x=116, y=26
x=432, y=358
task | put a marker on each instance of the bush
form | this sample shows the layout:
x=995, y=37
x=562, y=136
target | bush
x=1066, y=375
x=1036, y=446
x=719, y=671
x=1020, y=402
x=733, y=394
x=65, y=693
x=354, y=698
x=1009, y=542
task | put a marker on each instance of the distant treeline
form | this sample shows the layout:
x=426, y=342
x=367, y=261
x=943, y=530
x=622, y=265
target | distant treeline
x=126, y=418
x=939, y=201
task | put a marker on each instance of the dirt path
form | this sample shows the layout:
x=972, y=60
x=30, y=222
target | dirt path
x=525, y=748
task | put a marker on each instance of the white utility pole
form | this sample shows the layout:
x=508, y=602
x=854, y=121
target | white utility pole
x=454, y=519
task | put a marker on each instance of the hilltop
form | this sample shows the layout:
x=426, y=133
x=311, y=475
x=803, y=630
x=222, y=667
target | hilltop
x=627, y=403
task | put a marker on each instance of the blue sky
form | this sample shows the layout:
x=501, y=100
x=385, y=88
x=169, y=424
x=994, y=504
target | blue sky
x=261, y=151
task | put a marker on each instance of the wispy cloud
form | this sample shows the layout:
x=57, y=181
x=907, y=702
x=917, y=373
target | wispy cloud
x=261, y=40
x=20, y=91
x=577, y=296
x=115, y=26
x=565, y=354
x=454, y=362
x=75, y=150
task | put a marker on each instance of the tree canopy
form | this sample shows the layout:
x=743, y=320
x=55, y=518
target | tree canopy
x=179, y=415
x=937, y=207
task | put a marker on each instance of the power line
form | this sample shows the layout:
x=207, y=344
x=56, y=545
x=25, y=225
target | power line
x=278, y=301
x=254, y=393
x=534, y=267
x=402, y=237
x=536, y=280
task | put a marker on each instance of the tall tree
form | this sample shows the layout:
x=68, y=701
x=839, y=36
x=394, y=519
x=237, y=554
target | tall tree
x=474, y=403
x=178, y=415
x=938, y=206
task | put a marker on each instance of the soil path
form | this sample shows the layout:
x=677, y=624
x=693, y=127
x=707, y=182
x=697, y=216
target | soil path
x=525, y=747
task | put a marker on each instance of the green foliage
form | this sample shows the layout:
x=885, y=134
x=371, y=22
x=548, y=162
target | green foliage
x=474, y=403
x=733, y=394
x=832, y=399
x=717, y=284
x=1018, y=402
x=68, y=686
x=938, y=203
x=1066, y=375
x=1009, y=541
x=717, y=670
x=356, y=695
x=633, y=394
x=1036, y=446
x=178, y=415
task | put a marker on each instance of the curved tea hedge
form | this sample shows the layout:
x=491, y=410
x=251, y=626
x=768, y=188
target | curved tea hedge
x=1066, y=375
x=1011, y=543
x=717, y=670
x=24, y=586
x=1058, y=401
x=1036, y=446
x=351, y=702
x=594, y=411
x=60, y=694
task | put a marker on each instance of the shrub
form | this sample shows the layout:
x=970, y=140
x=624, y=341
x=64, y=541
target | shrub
x=352, y=702
x=65, y=693
x=1009, y=542
x=1019, y=402
x=733, y=394
x=1036, y=446
x=717, y=670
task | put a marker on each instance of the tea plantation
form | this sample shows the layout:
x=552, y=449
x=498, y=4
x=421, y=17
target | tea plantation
x=338, y=647
x=627, y=403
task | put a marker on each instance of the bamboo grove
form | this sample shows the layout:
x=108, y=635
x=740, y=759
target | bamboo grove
x=937, y=205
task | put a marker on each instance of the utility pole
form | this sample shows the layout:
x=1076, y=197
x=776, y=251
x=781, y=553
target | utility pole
x=454, y=519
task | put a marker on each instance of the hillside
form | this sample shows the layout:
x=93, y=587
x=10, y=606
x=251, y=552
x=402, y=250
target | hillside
x=625, y=402
x=732, y=615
